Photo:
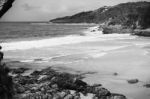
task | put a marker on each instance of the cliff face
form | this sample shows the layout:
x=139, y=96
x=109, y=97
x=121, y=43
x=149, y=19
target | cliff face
x=126, y=14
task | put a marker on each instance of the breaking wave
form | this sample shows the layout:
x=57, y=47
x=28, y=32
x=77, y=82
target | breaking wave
x=91, y=34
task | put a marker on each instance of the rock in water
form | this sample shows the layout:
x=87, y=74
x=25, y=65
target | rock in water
x=147, y=85
x=133, y=81
x=115, y=74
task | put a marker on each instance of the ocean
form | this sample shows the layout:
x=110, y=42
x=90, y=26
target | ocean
x=9, y=31
x=77, y=48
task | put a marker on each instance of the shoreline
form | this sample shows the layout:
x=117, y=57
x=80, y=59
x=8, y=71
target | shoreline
x=102, y=75
x=42, y=79
x=112, y=70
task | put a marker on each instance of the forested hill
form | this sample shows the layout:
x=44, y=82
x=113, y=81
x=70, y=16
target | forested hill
x=127, y=14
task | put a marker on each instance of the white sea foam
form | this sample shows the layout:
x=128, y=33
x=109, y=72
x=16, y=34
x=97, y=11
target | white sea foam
x=93, y=31
x=89, y=53
x=141, y=44
x=95, y=35
x=22, y=45
x=97, y=55
x=27, y=61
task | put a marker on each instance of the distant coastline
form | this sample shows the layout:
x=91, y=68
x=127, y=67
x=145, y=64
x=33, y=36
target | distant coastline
x=128, y=16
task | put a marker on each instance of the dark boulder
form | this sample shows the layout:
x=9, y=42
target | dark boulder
x=133, y=81
x=147, y=85
x=19, y=70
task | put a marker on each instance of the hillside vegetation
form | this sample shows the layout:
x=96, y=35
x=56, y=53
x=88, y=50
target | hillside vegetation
x=135, y=14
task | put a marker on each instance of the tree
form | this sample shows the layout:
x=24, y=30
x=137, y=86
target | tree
x=6, y=83
x=5, y=6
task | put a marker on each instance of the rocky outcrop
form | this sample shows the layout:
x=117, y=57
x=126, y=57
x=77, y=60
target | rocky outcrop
x=18, y=70
x=49, y=84
x=145, y=33
x=116, y=29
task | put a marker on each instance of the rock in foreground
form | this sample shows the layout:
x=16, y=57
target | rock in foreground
x=133, y=81
x=49, y=84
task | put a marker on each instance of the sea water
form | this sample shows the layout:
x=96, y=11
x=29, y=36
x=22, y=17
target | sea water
x=76, y=47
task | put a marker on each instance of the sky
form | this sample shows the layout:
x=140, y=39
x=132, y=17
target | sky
x=44, y=10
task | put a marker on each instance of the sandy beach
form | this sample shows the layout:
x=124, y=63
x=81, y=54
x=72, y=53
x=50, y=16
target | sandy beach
x=129, y=58
x=74, y=49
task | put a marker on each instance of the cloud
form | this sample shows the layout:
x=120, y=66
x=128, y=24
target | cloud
x=29, y=7
x=44, y=10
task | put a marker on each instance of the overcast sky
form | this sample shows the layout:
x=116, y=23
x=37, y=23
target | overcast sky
x=44, y=10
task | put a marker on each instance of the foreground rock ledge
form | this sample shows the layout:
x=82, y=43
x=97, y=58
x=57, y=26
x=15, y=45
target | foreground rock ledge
x=49, y=84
